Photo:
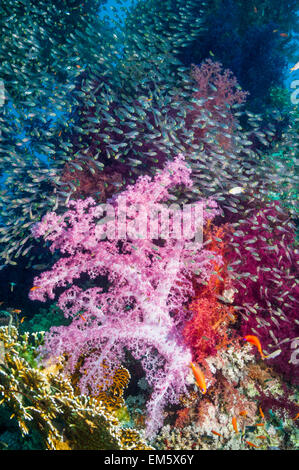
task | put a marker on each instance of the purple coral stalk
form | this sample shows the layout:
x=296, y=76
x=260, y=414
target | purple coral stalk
x=142, y=308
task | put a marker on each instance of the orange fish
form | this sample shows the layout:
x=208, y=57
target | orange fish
x=35, y=287
x=16, y=310
x=261, y=412
x=296, y=417
x=261, y=437
x=78, y=66
x=254, y=340
x=22, y=319
x=259, y=424
x=243, y=413
x=199, y=377
x=255, y=9
x=284, y=35
x=234, y=423
x=216, y=433
x=251, y=444
x=83, y=318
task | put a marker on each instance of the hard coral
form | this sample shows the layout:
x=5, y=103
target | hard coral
x=44, y=400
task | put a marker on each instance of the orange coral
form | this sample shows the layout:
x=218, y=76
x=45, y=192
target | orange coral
x=260, y=373
x=113, y=396
x=183, y=417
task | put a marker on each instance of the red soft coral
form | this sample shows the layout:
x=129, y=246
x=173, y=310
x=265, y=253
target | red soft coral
x=88, y=180
x=210, y=77
x=207, y=330
x=265, y=261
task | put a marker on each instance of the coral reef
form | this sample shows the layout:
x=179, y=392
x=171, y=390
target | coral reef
x=45, y=401
x=235, y=416
x=115, y=115
x=148, y=197
x=148, y=284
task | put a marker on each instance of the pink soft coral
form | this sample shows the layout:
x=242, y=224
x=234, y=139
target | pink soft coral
x=142, y=307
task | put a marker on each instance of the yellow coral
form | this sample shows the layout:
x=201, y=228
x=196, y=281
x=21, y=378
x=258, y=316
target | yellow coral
x=112, y=398
x=60, y=445
x=47, y=401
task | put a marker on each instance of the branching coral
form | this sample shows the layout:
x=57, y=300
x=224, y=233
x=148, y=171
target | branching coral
x=149, y=281
x=44, y=400
x=210, y=77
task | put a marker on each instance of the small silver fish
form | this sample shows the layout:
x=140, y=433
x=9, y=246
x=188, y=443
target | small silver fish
x=296, y=67
x=274, y=354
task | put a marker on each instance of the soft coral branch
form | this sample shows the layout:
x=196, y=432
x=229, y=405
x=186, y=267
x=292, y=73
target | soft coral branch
x=148, y=283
